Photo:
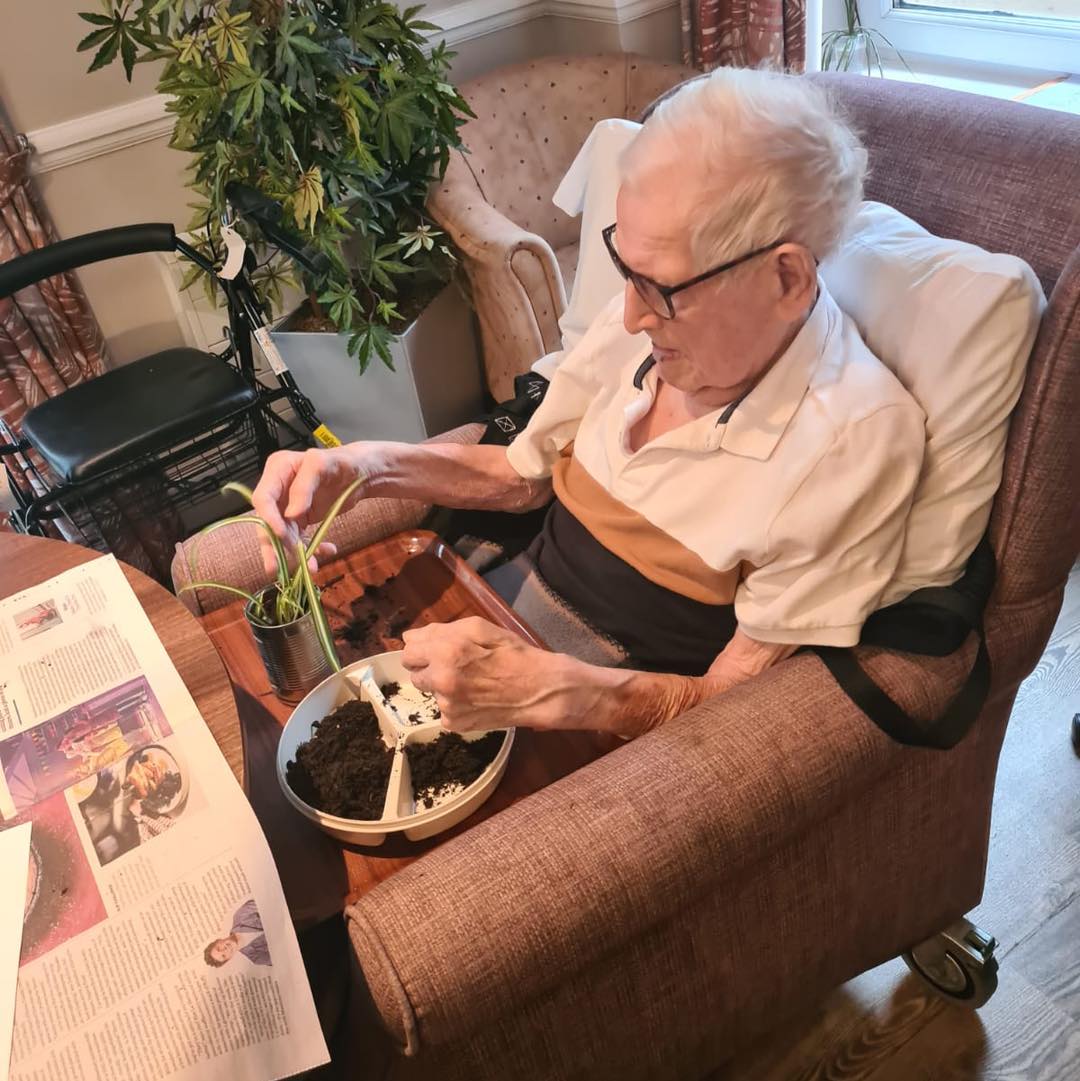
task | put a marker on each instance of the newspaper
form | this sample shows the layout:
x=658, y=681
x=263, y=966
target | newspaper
x=156, y=939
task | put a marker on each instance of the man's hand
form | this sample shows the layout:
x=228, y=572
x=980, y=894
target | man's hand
x=297, y=488
x=485, y=677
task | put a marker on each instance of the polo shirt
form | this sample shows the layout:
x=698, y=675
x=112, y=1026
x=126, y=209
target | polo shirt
x=790, y=503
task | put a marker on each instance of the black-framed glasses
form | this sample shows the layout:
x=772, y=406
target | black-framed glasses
x=657, y=296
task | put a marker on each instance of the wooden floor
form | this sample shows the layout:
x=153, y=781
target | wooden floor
x=884, y=1027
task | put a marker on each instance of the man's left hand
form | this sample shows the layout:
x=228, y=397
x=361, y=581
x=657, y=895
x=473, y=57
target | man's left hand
x=485, y=677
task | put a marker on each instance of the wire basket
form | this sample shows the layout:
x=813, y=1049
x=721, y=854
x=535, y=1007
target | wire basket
x=178, y=487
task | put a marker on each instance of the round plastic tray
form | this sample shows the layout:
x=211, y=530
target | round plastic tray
x=402, y=812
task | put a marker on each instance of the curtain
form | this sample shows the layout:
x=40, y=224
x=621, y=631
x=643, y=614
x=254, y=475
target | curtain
x=49, y=342
x=744, y=33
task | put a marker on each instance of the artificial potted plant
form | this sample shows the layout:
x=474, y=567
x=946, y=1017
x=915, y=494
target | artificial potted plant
x=338, y=111
x=286, y=616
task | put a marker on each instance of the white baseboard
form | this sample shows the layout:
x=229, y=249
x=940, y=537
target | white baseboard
x=140, y=121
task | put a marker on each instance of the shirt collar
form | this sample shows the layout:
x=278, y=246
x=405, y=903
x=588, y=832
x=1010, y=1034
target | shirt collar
x=755, y=425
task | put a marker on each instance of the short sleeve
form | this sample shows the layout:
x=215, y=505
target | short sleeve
x=574, y=385
x=836, y=543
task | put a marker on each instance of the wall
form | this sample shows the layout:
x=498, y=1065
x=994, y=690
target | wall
x=43, y=82
x=48, y=94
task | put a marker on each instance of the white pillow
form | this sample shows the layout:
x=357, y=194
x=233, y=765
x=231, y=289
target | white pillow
x=953, y=322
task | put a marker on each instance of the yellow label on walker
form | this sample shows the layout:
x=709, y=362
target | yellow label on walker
x=326, y=437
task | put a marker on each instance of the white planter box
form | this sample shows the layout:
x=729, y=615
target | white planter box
x=436, y=383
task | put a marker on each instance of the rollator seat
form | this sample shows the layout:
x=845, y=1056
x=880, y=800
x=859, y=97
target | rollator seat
x=140, y=408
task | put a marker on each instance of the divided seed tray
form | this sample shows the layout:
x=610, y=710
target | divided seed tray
x=402, y=812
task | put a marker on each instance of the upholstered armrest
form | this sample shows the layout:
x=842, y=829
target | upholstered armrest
x=532, y=907
x=480, y=231
x=231, y=554
x=517, y=286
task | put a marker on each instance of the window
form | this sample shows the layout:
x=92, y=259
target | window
x=1041, y=34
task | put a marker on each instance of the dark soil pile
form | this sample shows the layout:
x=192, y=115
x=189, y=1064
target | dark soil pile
x=449, y=760
x=345, y=767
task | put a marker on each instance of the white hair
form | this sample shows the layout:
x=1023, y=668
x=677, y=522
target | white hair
x=777, y=161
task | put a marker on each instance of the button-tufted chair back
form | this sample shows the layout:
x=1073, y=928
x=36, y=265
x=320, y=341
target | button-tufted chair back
x=519, y=251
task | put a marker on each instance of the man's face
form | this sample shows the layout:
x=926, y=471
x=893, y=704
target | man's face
x=725, y=332
x=223, y=949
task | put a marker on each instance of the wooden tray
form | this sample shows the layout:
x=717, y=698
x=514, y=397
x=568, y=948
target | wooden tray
x=372, y=596
x=408, y=580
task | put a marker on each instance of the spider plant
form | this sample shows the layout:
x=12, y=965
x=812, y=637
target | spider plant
x=293, y=592
x=840, y=48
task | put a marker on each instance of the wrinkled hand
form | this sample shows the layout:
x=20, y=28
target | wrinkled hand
x=296, y=490
x=485, y=677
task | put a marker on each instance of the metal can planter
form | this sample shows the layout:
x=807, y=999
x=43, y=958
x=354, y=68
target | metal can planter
x=291, y=653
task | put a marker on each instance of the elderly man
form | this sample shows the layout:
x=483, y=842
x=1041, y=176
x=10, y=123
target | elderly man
x=731, y=467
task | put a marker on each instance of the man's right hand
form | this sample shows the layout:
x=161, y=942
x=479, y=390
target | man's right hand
x=296, y=490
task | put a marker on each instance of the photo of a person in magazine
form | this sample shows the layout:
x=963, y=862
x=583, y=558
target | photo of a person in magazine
x=246, y=938
x=37, y=619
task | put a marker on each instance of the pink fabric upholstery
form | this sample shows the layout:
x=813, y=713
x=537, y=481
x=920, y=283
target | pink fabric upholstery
x=495, y=201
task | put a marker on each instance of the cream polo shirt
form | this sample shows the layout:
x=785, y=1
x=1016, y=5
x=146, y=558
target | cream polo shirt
x=790, y=504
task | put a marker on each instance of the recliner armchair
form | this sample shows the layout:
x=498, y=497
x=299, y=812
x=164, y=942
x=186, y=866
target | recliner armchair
x=519, y=251
x=649, y=914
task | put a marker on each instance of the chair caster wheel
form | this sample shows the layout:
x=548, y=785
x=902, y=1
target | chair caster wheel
x=957, y=963
x=1076, y=733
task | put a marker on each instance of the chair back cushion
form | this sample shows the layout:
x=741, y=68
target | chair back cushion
x=998, y=174
x=532, y=118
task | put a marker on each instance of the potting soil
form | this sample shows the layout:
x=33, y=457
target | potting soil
x=448, y=761
x=345, y=767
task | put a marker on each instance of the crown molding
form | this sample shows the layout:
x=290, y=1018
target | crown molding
x=146, y=119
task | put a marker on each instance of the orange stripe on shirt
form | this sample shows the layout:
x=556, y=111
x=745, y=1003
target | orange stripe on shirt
x=635, y=540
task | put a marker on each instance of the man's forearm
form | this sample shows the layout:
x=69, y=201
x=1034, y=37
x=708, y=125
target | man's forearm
x=629, y=703
x=470, y=477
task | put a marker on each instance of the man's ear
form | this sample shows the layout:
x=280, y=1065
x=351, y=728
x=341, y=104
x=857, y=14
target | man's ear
x=796, y=276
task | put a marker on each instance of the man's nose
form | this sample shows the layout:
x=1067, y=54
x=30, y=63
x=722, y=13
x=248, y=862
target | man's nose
x=637, y=315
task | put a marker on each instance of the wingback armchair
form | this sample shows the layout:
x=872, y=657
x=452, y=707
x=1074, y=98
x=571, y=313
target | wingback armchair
x=647, y=915
x=519, y=251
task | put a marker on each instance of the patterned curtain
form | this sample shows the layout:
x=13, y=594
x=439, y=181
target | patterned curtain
x=50, y=341
x=744, y=33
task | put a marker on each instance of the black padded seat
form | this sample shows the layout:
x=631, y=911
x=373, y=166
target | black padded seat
x=142, y=407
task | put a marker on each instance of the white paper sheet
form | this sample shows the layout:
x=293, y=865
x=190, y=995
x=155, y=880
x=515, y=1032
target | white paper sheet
x=156, y=941
x=14, y=866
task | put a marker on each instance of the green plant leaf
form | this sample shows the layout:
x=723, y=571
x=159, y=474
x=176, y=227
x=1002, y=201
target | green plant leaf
x=218, y=585
x=94, y=38
x=318, y=616
x=335, y=509
x=107, y=53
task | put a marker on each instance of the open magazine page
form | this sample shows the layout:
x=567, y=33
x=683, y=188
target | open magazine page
x=156, y=939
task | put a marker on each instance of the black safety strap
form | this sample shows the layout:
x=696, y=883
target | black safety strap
x=930, y=622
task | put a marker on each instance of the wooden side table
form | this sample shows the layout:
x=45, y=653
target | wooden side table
x=371, y=597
